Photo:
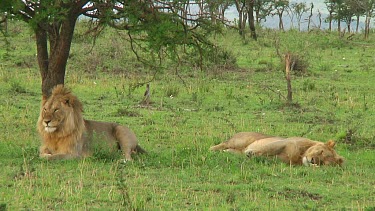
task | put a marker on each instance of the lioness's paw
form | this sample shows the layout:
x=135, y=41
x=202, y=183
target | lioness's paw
x=250, y=153
x=125, y=161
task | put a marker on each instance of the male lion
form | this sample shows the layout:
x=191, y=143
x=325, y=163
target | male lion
x=294, y=150
x=66, y=135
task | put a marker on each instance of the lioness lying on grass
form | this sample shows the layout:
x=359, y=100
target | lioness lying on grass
x=294, y=150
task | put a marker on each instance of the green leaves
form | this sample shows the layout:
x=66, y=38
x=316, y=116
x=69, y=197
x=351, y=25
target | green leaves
x=6, y=5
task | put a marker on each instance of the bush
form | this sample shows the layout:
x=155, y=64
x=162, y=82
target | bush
x=299, y=65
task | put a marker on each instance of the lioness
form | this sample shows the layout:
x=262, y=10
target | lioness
x=66, y=135
x=294, y=150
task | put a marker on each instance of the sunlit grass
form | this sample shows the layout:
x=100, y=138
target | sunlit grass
x=186, y=117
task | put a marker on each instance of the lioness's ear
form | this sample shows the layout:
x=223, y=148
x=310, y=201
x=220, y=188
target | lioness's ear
x=331, y=144
x=340, y=160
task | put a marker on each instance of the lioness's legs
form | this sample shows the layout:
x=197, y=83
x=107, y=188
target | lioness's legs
x=235, y=151
x=270, y=149
x=239, y=141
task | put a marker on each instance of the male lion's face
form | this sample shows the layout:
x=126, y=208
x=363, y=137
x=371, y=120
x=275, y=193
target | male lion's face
x=53, y=114
x=60, y=113
x=322, y=154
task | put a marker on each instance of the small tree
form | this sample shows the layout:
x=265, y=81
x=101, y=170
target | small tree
x=339, y=13
x=310, y=16
x=358, y=9
x=242, y=15
x=159, y=23
x=217, y=9
x=347, y=14
x=279, y=7
x=299, y=10
x=262, y=8
x=331, y=8
x=369, y=7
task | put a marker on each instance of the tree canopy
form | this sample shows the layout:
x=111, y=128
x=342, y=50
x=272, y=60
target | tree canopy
x=162, y=25
x=157, y=26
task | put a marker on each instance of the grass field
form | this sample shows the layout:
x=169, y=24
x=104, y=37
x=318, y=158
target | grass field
x=333, y=100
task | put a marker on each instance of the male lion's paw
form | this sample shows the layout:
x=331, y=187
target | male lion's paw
x=45, y=155
x=315, y=165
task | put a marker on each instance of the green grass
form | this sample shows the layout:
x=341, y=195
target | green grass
x=334, y=100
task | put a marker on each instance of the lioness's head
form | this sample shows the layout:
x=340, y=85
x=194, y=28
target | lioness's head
x=60, y=113
x=322, y=154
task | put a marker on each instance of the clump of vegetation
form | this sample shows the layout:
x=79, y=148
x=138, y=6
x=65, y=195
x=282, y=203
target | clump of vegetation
x=308, y=85
x=16, y=87
x=171, y=91
x=299, y=65
x=127, y=112
x=221, y=58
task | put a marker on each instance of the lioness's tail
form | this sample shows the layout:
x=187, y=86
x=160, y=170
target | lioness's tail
x=221, y=146
x=139, y=149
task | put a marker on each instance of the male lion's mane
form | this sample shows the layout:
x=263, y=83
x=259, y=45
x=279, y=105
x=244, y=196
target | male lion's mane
x=71, y=130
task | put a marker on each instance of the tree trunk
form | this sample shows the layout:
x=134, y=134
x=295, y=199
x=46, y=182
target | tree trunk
x=357, y=26
x=252, y=20
x=244, y=20
x=330, y=21
x=240, y=20
x=42, y=56
x=257, y=16
x=367, y=25
x=349, y=27
x=52, y=64
x=288, y=65
x=310, y=16
x=223, y=14
x=281, y=24
x=320, y=19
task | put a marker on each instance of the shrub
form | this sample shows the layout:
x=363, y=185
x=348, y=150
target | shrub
x=299, y=64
